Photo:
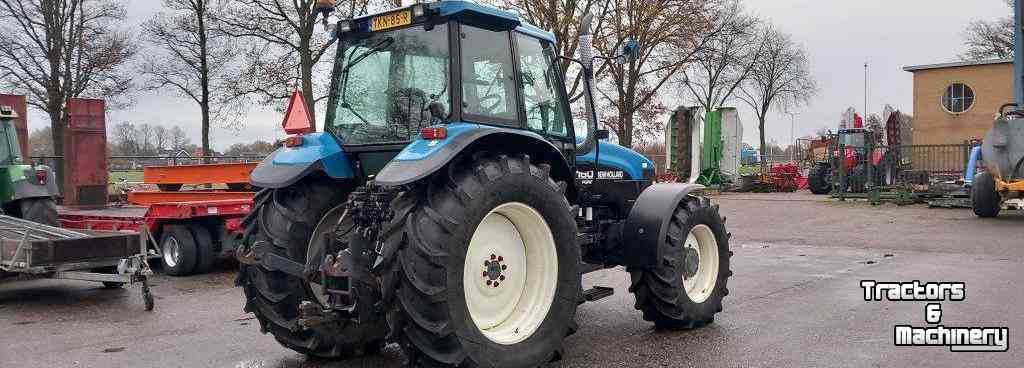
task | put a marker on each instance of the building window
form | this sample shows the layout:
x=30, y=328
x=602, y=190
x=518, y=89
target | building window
x=958, y=98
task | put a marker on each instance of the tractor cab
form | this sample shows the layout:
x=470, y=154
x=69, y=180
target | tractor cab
x=439, y=64
x=10, y=150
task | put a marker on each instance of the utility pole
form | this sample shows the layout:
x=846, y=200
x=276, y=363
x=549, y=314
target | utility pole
x=865, y=113
x=792, y=135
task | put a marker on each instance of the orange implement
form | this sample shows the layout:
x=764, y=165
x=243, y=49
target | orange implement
x=237, y=173
x=145, y=198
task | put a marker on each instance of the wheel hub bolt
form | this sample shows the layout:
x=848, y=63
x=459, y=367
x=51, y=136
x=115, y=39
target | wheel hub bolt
x=493, y=269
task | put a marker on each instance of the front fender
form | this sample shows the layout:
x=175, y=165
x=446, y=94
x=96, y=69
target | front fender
x=424, y=157
x=285, y=166
x=647, y=225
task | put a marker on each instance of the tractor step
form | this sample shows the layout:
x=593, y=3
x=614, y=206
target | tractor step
x=597, y=292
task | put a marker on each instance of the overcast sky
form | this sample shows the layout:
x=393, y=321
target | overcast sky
x=839, y=37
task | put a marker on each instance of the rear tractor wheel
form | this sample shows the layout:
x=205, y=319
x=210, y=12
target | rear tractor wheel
x=489, y=265
x=290, y=222
x=42, y=210
x=687, y=289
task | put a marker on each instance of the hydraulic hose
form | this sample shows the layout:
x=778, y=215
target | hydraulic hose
x=972, y=165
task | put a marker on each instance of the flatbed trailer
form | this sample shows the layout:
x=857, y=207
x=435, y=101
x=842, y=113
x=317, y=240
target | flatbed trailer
x=113, y=258
x=188, y=236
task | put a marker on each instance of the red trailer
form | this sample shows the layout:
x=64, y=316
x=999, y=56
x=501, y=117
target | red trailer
x=189, y=236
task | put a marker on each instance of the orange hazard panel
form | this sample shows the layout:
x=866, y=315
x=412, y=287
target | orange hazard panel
x=146, y=198
x=237, y=173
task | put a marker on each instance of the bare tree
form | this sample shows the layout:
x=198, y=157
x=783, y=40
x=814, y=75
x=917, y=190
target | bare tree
x=990, y=39
x=161, y=136
x=178, y=139
x=781, y=78
x=53, y=51
x=40, y=142
x=668, y=33
x=287, y=46
x=563, y=18
x=193, y=60
x=126, y=139
x=731, y=50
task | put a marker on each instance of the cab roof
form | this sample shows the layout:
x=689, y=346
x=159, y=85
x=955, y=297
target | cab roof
x=489, y=15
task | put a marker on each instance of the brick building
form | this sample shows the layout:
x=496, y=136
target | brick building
x=954, y=102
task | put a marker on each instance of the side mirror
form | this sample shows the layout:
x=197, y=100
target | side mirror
x=630, y=51
x=601, y=134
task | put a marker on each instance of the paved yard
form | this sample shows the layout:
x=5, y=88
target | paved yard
x=795, y=301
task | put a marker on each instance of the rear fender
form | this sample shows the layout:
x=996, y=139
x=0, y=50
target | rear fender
x=25, y=183
x=647, y=225
x=422, y=157
x=319, y=152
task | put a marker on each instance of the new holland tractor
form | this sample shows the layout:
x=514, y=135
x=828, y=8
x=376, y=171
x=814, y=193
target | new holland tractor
x=449, y=206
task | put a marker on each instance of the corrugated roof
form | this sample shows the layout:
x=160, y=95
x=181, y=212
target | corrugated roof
x=956, y=64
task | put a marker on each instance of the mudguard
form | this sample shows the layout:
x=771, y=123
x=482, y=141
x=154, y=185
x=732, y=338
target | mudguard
x=318, y=152
x=424, y=157
x=647, y=225
x=25, y=184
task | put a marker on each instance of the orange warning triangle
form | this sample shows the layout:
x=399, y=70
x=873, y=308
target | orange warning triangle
x=296, y=120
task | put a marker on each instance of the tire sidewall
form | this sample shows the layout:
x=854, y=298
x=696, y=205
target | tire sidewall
x=706, y=309
x=186, y=249
x=536, y=349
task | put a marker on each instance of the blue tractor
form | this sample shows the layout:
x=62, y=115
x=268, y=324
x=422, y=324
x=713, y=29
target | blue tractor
x=449, y=206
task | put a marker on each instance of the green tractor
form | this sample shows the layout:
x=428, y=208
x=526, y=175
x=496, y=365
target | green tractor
x=450, y=207
x=26, y=191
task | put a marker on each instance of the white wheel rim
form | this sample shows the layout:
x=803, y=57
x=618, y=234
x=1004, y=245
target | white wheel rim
x=171, y=251
x=510, y=273
x=701, y=243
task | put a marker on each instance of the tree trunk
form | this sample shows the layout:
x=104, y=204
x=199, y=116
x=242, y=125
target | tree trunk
x=626, y=136
x=760, y=126
x=306, y=71
x=57, y=128
x=204, y=79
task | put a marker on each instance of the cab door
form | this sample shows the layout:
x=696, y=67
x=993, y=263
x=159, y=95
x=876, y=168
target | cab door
x=545, y=110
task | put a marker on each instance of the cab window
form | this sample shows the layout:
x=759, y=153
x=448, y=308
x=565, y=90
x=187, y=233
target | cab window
x=545, y=109
x=488, y=79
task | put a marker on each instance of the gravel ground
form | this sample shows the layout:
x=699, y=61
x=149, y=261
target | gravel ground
x=795, y=301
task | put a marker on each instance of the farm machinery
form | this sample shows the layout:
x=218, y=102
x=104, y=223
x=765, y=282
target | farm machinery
x=1002, y=150
x=27, y=191
x=855, y=162
x=449, y=207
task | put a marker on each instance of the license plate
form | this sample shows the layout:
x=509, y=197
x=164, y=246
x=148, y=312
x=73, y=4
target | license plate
x=388, y=21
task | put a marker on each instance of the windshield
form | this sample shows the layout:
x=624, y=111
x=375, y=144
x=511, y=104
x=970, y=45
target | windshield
x=855, y=139
x=10, y=151
x=386, y=81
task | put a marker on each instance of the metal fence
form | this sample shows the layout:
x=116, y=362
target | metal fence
x=133, y=163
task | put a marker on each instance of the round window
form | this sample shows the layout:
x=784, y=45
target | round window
x=958, y=98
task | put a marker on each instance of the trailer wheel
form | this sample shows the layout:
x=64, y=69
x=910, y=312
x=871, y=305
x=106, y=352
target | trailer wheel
x=820, y=179
x=206, y=251
x=178, y=250
x=284, y=220
x=488, y=264
x=985, y=201
x=42, y=210
x=686, y=290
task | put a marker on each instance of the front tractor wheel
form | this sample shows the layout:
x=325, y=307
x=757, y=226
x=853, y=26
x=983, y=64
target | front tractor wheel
x=686, y=290
x=489, y=265
x=285, y=222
